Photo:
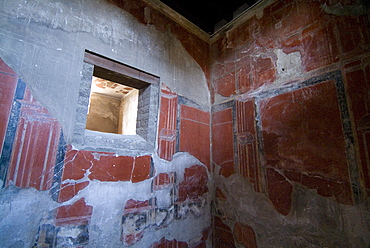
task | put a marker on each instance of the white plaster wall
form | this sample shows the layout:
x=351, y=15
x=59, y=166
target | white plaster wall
x=44, y=42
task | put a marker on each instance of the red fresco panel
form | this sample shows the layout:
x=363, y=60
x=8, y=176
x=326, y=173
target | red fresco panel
x=302, y=132
x=195, y=114
x=350, y=32
x=265, y=71
x=247, y=141
x=135, y=206
x=227, y=169
x=194, y=184
x=279, y=190
x=76, y=163
x=142, y=169
x=69, y=190
x=35, y=147
x=223, y=236
x=102, y=166
x=360, y=107
x=78, y=213
x=8, y=84
x=320, y=48
x=195, y=135
x=164, y=180
x=5, y=68
x=245, y=74
x=109, y=167
x=164, y=243
x=222, y=116
x=225, y=86
x=244, y=234
x=51, y=158
x=222, y=137
x=15, y=161
x=167, y=124
x=41, y=142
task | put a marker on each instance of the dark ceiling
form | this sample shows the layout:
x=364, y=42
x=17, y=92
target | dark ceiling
x=205, y=13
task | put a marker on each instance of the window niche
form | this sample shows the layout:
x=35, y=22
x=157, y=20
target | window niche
x=117, y=108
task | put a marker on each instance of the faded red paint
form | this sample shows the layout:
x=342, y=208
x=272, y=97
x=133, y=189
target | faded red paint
x=142, y=169
x=302, y=132
x=195, y=133
x=132, y=238
x=279, y=191
x=8, y=84
x=164, y=180
x=69, y=190
x=167, y=128
x=247, y=142
x=77, y=214
x=222, y=141
x=164, y=243
x=244, y=234
x=134, y=205
x=35, y=146
x=222, y=234
x=104, y=166
x=194, y=184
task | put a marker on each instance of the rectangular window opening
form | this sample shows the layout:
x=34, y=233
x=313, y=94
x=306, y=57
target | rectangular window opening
x=117, y=107
x=112, y=107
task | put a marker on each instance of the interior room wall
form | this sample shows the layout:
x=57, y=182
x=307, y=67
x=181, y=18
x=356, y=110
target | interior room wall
x=290, y=90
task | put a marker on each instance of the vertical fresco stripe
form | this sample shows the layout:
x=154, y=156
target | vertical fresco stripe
x=11, y=131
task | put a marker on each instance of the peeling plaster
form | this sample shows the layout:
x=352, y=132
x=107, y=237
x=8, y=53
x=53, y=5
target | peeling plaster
x=346, y=10
x=47, y=52
x=23, y=211
x=288, y=66
x=312, y=222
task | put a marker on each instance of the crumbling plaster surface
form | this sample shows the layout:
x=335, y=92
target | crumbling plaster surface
x=24, y=210
x=21, y=211
x=44, y=42
x=314, y=221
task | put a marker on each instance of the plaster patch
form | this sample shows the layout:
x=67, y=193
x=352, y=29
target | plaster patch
x=21, y=211
x=288, y=65
x=69, y=232
x=313, y=218
x=346, y=10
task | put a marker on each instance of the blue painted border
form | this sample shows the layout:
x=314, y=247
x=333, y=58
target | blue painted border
x=11, y=131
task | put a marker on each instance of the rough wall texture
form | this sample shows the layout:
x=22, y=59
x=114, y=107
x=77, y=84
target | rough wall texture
x=103, y=113
x=45, y=42
x=286, y=143
x=291, y=101
x=56, y=195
